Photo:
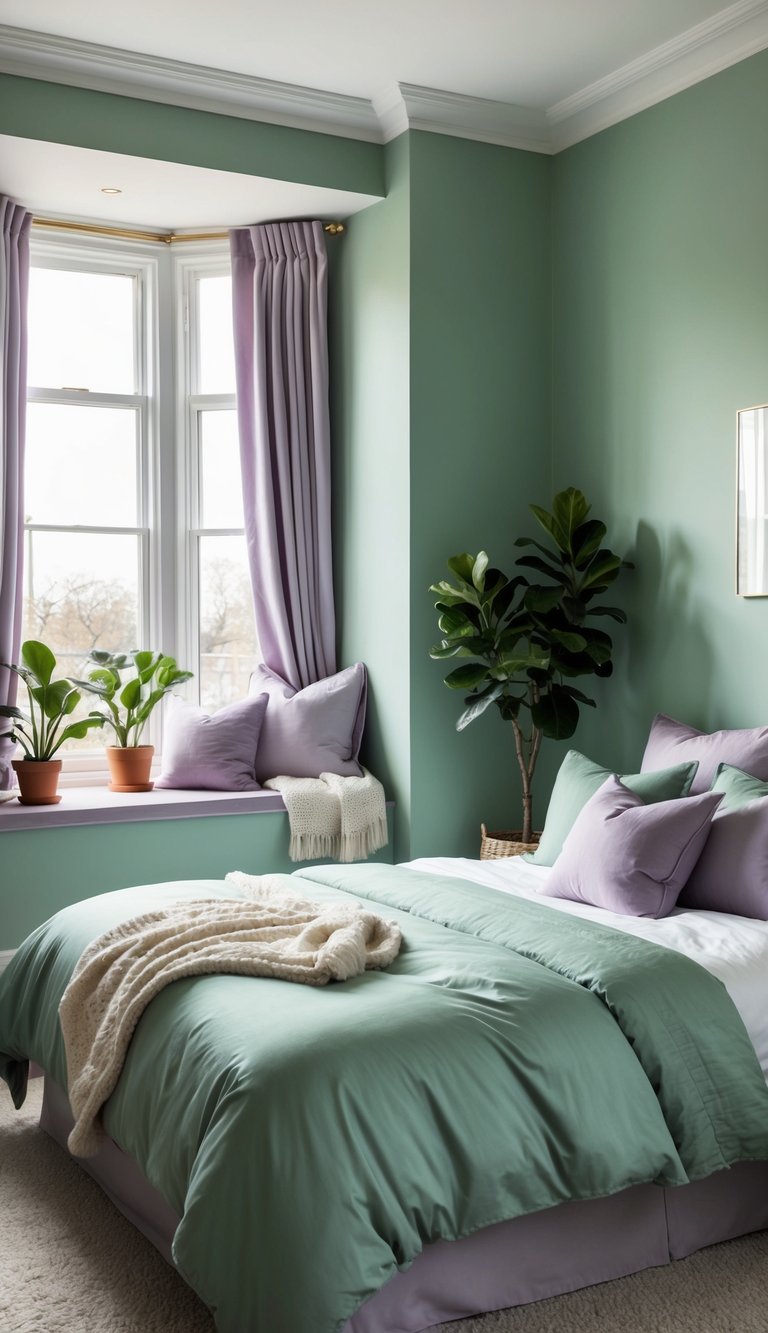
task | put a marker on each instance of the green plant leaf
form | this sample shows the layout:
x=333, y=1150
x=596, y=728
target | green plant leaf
x=556, y=714
x=578, y=696
x=505, y=597
x=454, y=622
x=143, y=660
x=603, y=569
x=130, y=694
x=10, y=710
x=478, y=571
x=535, y=562
x=38, y=659
x=545, y=550
x=614, y=612
x=169, y=676
x=451, y=596
x=550, y=524
x=509, y=706
x=541, y=598
x=574, y=643
x=467, y=677
x=146, y=708
x=586, y=541
x=91, y=686
x=569, y=509
x=462, y=565
x=476, y=707
x=76, y=731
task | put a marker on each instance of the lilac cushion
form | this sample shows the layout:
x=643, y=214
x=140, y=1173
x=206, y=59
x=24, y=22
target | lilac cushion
x=216, y=752
x=672, y=742
x=731, y=874
x=630, y=857
x=311, y=731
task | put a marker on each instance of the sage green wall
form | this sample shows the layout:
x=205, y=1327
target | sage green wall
x=442, y=429
x=55, y=113
x=480, y=443
x=661, y=333
x=369, y=336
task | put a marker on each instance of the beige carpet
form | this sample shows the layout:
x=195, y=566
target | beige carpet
x=69, y=1263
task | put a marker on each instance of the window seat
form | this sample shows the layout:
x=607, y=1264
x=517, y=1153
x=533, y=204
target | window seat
x=96, y=840
x=99, y=805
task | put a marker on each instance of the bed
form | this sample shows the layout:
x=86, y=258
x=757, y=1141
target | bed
x=535, y=1096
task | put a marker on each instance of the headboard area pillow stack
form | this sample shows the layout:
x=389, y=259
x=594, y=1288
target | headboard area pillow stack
x=732, y=873
x=579, y=778
x=672, y=742
x=690, y=827
x=276, y=731
x=630, y=857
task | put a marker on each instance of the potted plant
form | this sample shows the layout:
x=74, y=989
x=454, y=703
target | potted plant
x=41, y=732
x=528, y=639
x=128, y=705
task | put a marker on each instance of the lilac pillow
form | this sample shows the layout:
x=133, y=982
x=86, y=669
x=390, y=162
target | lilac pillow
x=673, y=742
x=731, y=874
x=212, y=753
x=311, y=731
x=630, y=857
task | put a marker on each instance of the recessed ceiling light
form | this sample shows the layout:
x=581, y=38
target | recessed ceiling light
x=110, y=189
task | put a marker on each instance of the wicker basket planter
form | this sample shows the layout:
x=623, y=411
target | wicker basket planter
x=504, y=842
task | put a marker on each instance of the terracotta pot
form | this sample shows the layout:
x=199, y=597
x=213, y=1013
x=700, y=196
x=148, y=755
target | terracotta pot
x=130, y=767
x=38, y=780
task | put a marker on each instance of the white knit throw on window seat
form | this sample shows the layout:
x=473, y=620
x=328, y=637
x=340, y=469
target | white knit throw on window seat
x=333, y=818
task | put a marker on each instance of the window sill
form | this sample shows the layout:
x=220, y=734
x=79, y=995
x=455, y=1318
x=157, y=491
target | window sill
x=98, y=805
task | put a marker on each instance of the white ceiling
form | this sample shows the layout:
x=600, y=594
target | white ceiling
x=528, y=52
x=536, y=74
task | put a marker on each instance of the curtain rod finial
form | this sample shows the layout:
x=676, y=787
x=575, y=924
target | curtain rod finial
x=334, y=228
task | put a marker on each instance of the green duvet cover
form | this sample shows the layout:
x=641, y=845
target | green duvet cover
x=314, y=1140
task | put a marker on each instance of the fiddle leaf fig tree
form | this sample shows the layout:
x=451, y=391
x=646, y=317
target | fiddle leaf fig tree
x=528, y=637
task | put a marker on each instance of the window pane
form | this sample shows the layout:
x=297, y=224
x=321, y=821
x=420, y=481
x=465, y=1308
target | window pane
x=228, y=651
x=221, y=491
x=81, y=331
x=81, y=592
x=81, y=465
x=215, y=340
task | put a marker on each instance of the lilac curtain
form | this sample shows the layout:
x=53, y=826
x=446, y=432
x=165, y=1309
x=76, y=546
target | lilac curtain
x=15, y=222
x=279, y=286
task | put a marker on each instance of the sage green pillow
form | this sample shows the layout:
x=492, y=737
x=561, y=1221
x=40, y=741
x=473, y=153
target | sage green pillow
x=739, y=788
x=579, y=778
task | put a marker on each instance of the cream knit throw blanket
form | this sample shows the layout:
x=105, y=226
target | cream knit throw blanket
x=270, y=933
x=333, y=818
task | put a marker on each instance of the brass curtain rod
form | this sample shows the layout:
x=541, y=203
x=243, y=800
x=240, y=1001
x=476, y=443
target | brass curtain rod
x=158, y=237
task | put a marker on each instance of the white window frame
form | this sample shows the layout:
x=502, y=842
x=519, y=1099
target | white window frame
x=135, y=260
x=169, y=406
x=197, y=260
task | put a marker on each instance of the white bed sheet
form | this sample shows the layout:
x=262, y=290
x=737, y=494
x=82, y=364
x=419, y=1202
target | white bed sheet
x=732, y=948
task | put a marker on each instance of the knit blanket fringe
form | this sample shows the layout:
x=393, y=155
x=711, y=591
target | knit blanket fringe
x=333, y=818
x=264, y=930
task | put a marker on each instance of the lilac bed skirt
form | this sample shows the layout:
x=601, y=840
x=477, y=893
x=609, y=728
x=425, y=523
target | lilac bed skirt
x=545, y=1254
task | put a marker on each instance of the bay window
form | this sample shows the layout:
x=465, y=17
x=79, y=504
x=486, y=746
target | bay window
x=133, y=506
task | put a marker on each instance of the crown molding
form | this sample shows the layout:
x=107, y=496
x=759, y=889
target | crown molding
x=438, y=112
x=732, y=35
x=109, y=69
x=723, y=40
